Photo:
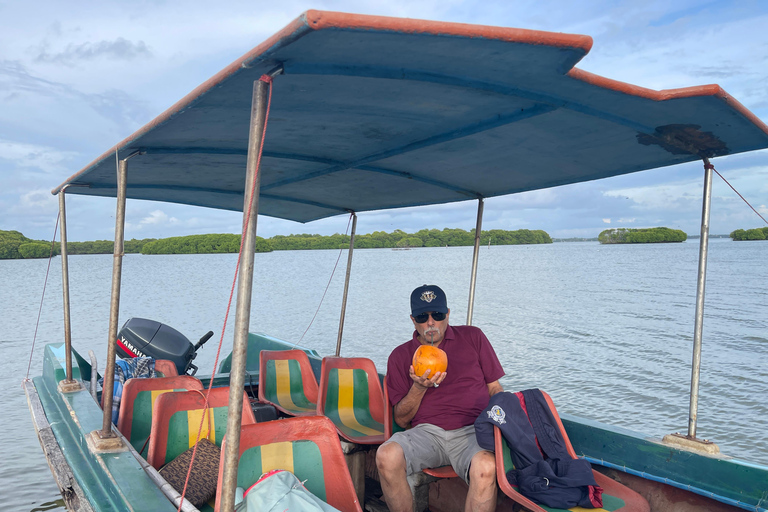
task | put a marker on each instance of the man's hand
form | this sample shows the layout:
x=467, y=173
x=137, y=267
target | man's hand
x=425, y=381
x=406, y=408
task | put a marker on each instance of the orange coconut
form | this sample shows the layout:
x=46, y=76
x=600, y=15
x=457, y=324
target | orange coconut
x=428, y=357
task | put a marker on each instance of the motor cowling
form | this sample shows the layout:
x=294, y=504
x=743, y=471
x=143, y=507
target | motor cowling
x=141, y=337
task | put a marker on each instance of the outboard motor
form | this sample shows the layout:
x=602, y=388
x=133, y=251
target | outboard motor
x=141, y=337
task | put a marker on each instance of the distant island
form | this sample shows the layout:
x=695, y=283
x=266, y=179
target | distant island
x=750, y=234
x=14, y=245
x=641, y=236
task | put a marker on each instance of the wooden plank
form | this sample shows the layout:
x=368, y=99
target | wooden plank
x=73, y=495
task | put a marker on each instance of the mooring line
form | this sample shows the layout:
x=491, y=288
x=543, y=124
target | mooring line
x=333, y=272
x=45, y=284
x=737, y=192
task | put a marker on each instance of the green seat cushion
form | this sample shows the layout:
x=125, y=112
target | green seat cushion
x=284, y=386
x=347, y=403
x=302, y=458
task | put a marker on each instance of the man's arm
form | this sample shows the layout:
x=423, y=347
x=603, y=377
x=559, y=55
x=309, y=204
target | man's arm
x=406, y=408
x=494, y=387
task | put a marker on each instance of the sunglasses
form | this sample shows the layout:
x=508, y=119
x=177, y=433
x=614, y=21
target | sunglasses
x=437, y=317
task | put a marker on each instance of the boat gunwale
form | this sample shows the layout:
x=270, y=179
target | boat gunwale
x=70, y=490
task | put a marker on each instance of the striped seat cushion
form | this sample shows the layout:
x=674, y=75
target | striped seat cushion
x=141, y=423
x=183, y=427
x=302, y=458
x=284, y=386
x=347, y=403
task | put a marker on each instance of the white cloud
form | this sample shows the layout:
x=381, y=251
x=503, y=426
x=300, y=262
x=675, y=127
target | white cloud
x=158, y=217
x=607, y=221
x=44, y=158
x=40, y=198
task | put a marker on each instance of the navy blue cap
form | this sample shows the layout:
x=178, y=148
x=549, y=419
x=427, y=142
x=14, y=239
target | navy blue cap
x=428, y=298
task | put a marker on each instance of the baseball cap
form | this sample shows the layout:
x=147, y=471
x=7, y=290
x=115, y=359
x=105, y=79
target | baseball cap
x=428, y=298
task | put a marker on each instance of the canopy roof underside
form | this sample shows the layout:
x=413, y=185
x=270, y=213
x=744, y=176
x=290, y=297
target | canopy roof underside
x=373, y=113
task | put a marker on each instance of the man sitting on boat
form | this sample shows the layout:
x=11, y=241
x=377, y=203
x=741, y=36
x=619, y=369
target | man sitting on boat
x=441, y=408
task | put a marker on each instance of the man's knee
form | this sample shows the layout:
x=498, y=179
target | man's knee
x=483, y=467
x=390, y=457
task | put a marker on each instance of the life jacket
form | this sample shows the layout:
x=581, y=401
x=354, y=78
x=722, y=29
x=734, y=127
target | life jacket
x=544, y=470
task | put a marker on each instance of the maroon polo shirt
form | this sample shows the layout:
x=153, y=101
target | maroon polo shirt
x=462, y=396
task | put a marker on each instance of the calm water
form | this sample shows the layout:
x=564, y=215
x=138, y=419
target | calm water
x=607, y=331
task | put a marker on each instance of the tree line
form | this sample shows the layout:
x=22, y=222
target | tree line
x=750, y=234
x=641, y=235
x=14, y=245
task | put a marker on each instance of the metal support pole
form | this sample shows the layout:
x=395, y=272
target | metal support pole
x=65, y=283
x=700, y=285
x=346, y=283
x=244, y=288
x=114, y=305
x=475, y=255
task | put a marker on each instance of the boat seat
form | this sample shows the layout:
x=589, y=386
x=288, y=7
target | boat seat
x=419, y=484
x=139, y=395
x=351, y=397
x=616, y=497
x=286, y=381
x=306, y=446
x=176, y=420
x=166, y=367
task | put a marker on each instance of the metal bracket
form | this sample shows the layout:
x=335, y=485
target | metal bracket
x=691, y=443
x=69, y=386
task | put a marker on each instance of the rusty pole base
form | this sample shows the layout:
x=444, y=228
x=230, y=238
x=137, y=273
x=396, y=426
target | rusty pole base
x=98, y=443
x=69, y=386
x=691, y=443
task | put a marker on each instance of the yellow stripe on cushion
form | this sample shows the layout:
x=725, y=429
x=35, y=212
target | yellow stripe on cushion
x=193, y=423
x=582, y=509
x=277, y=456
x=283, y=378
x=156, y=393
x=346, y=403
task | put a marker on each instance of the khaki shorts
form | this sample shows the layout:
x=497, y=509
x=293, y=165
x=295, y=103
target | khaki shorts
x=429, y=446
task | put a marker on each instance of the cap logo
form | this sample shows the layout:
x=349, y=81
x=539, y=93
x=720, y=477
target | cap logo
x=428, y=296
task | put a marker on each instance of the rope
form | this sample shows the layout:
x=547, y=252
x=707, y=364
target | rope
x=45, y=284
x=341, y=250
x=268, y=80
x=710, y=166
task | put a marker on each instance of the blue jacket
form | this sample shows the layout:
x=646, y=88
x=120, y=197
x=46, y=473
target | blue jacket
x=548, y=475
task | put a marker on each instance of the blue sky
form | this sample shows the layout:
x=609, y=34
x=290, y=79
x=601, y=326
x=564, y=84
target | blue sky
x=77, y=77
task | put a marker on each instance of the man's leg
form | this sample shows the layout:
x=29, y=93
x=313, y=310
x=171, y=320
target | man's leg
x=390, y=460
x=482, y=483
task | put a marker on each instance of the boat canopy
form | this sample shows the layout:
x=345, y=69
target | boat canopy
x=372, y=113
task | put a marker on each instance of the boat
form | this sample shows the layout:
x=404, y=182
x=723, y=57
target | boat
x=340, y=114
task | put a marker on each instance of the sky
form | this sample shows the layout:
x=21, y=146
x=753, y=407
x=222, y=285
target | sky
x=77, y=77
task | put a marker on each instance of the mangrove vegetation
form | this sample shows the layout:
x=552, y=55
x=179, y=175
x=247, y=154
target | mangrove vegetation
x=641, y=236
x=750, y=234
x=14, y=245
